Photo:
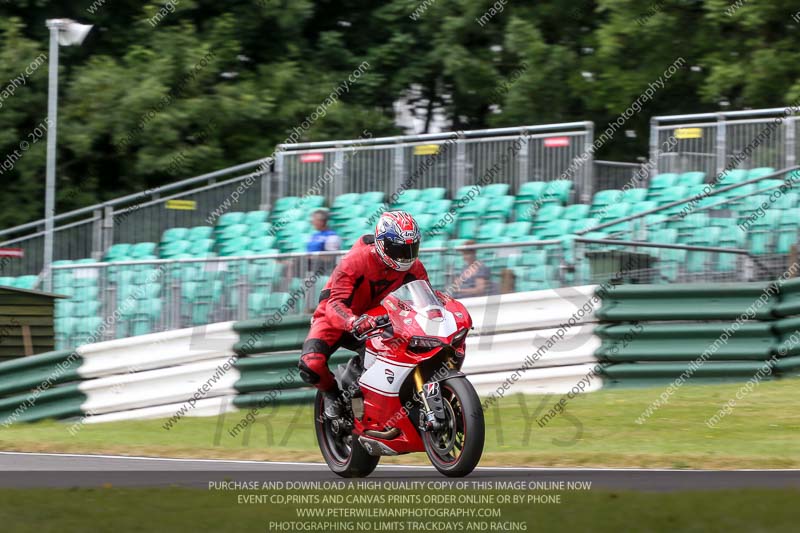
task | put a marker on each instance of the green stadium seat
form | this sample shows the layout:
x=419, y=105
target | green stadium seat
x=758, y=172
x=517, y=230
x=496, y=189
x=641, y=207
x=230, y=218
x=604, y=198
x=673, y=194
x=615, y=211
x=118, y=252
x=284, y=204
x=553, y=229
x=415, y=208
x=232, y=232
x=467, y=190
x=142, y=250
x=200, y=233
x=432, y=242
x=432, y=194
x=426, y=222
x=262, y=245
x=735, y=175
x=201, y=248
x=312, y=202
x=255, y=217
x=584, y=224
x=558, y=191
x=438, y=207
x=575, y=212
x=347, y=200
x=259, y=229
x=490, y=232
x=172, y=248
x=534, y=278
x=547, y=213
x=404, y=197
x=786, y=239
x=174, y=234
x=634, y=195
x=691, y=178
x=499, y=208
x=662, y=181
x=768, y=184
x=26, y=282
x=789, y=200
x=467, y=222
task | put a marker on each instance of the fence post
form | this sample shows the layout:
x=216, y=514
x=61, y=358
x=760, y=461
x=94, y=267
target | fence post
x=280, y=173
x=522, y=162
x=790, y=156
x=108, y=227
x=339, y=176
x=97, y=233
x=266, y=187
x=721, y=148
x=461, y=167
x=397, y=168
x=586, y=189
x=654, y=155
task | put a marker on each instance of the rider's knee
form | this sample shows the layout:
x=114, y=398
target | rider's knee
x=314, y=370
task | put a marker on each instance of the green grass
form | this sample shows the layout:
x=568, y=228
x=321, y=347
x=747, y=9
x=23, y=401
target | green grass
x=191, y=510
x=597, y=429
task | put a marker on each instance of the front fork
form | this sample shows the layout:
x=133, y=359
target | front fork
x=433, y=408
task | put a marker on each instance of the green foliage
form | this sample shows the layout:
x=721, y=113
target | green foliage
x=223, y=82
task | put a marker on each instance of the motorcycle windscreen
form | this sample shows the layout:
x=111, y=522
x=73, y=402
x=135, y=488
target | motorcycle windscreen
x=431, y=316
x=416, y=294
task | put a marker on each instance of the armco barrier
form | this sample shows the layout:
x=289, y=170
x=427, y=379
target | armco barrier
x=156, y=375
x=686, y=302
x=549, y=340
x=720, y=332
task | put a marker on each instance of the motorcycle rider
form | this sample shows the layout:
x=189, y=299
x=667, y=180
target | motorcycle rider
x=375, y=266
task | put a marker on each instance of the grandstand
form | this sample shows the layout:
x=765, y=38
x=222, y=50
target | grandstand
x=532, y=234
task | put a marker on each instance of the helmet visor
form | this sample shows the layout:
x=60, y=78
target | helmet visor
x=401, y=251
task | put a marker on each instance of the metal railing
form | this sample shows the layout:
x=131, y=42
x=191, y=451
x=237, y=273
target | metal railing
x=451, y=160
x=88, y=231
x=616, y=175
x=710, y=141
x=137, y=297
x=628, y=261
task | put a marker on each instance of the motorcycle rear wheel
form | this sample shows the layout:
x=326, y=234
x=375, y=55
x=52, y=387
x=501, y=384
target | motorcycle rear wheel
x=346, y=459
x=456, y=449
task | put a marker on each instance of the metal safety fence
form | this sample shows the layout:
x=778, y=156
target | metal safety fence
x=618, y=175
x=450, y=160
x=136, y=297
x=709, y=142
x=140, y=217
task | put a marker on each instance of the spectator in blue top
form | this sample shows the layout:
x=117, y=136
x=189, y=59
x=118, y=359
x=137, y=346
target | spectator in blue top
x=323, y=239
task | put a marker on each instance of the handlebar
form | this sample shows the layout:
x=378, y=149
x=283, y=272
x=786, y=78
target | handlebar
x=381, y=321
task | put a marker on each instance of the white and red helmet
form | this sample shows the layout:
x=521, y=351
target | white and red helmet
x=397, y=239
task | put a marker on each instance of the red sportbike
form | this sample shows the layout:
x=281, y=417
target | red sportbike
x=407, y=393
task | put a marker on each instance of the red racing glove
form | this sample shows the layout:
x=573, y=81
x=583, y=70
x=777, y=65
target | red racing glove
x=362, y=324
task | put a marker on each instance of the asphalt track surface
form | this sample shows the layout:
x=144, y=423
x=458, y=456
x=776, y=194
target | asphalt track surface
x=29, y=470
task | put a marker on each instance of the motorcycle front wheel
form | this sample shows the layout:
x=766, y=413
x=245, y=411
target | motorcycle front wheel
x=455, y=448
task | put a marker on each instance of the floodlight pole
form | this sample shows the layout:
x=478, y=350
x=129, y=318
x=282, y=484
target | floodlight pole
x=73, y=33
x=50, y=180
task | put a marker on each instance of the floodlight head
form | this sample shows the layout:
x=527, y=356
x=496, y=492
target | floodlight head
x=69, y=31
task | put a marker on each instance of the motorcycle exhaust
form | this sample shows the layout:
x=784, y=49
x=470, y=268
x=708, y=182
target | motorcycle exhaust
x=374, y=447
x=385, y=435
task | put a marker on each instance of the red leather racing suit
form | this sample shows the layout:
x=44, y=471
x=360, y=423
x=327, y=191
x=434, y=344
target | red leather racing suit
x=357, y=284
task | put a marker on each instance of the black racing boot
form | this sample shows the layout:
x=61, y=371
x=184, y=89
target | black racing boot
x=332, y=405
